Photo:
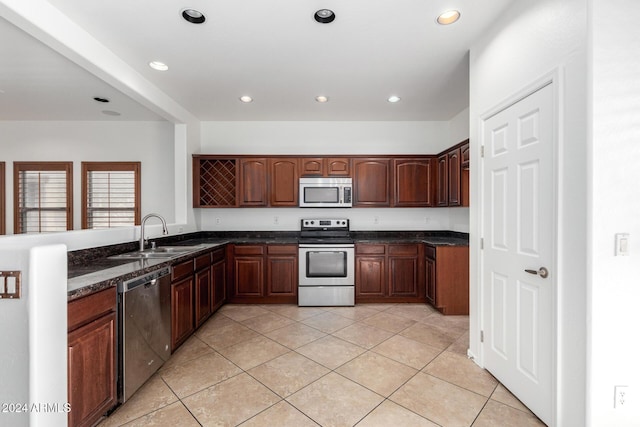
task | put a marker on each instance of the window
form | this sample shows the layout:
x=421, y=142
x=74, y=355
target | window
x=2, y=205
x=43, y=197
x=110, y=194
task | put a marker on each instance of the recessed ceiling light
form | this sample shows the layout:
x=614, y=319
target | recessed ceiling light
x=110, y=113
x=100, y=99
x=448, y=17
x=322, y=99
x=393, y=99
x=324, y=16
x=246, y=98
x=157, y=65
x=193, y=16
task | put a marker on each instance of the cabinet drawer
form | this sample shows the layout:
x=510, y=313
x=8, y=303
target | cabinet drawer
x=182, y=270
x=282, y=249
x=203, y=261
x=403, y=249
x=431, y=252
x=217, y=255
x=370, y=249
x=91, y=307
x=248, y=250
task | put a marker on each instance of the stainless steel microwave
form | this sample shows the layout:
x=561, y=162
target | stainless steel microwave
x=325, y=192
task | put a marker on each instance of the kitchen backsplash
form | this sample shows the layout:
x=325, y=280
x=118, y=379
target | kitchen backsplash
x=283, y=219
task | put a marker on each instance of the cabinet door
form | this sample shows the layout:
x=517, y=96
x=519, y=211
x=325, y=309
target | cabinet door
x=454, y=175
x=253, y=182
x=338, y=166
x=442, y=194
x=464, y=156
x=219, y=278
x=203, y=295
x=181, y=311
x=464, y=185
x=413, y=182
x=313, y=166
x=371, y=182
x=284, y=182
x=370, y=275
x=92, y=374
x=431, y=281
x=282, y=275
x=248, y=276
x=404, y=270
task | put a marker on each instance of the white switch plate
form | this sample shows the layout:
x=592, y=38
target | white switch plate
x=622, y=244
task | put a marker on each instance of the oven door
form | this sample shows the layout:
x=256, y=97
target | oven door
x=326, y=265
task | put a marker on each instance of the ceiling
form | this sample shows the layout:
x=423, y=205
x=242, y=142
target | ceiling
x=273, y=51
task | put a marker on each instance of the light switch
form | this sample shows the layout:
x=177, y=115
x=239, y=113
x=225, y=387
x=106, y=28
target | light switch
x=622, y=244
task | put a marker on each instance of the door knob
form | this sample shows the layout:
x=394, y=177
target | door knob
x=542, y=272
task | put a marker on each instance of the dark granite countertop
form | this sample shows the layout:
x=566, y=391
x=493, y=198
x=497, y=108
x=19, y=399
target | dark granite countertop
x=101, y=273
x=91, y=270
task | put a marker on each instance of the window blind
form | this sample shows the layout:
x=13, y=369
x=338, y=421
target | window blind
x=111, y=198
x=42, y=201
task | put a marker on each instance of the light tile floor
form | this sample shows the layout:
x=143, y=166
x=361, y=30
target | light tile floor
x=283, y=365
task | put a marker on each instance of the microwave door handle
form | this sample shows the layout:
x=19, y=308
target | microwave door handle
x=341, y=195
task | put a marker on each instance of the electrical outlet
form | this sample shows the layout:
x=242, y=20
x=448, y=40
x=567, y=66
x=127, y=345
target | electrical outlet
x=621, y=396
x=218, y=221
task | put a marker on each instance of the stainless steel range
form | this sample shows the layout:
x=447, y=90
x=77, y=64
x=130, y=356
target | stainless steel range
x=326, y=257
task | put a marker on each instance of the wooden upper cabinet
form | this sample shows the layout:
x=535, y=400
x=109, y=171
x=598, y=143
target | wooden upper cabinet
x=371, y=182
x=325, y=166
x=214, y=182
x=414, y=182
x=442, y=193
x=313, y=166
x=464, y=153
x=454, y=175
x=253, y=182
x=464, y=187
x=283, y=174
x=338, y=166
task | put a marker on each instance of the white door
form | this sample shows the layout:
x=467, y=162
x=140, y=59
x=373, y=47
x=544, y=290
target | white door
x=518, y=249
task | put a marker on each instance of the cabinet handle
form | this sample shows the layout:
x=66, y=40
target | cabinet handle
x=542, y=272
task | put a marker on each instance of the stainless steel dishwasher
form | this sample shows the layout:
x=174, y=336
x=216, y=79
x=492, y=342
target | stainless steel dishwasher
x=144, y=326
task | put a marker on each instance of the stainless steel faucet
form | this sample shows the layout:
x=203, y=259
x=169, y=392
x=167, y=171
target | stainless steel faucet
x=164, y=228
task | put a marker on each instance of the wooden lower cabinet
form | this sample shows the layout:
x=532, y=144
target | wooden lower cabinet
x=406, y=270
x=182, y=311
x=218, y=279
x=265, y=274
x=203, y=295
x=282, y=270
x=198, y=289
x=389, y=272
x=91, y=357
x=447, y=278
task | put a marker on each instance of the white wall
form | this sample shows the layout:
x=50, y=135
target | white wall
x=530, y=40
x=341, y=138
x=459, y=127
x=14, y=334
x=614, y=207
x=151, y=143
x=324, y=137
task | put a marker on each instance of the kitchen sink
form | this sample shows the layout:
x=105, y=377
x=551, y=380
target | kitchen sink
x=160, y=252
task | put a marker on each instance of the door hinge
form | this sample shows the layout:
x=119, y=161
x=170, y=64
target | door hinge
x=482, y=151
x=481, y=336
